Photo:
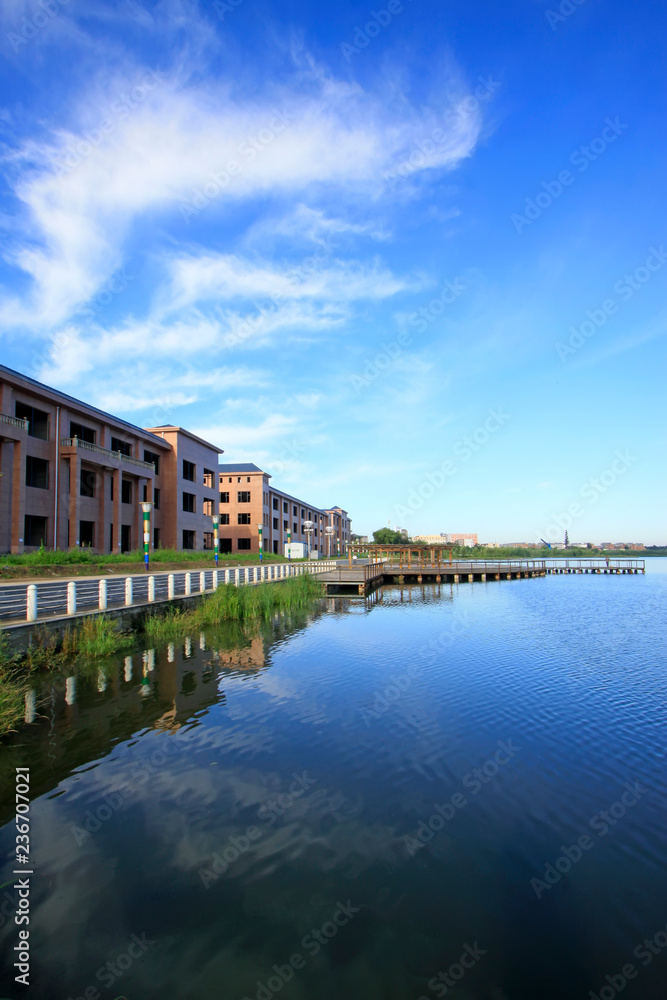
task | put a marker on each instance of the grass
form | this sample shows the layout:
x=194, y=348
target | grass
x=13, y=689
x=86, y=557
x=239, y=604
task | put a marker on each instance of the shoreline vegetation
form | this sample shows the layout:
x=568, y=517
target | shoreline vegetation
x=97, y=637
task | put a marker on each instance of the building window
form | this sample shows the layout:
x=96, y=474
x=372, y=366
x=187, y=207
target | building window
x=294, y=511
x=303, y=513
x=38, y=420
x=82, y=432
x=156, y=538
x=208, y=478
x=247, y=479
x=145, y=493
x=285, y=525
x=122, y=446
x=243, y=544
x=224, y=519
x=243, y=518
x=87, y=534
x=156, y=499
x=230, y=479
x=275, y=524
x=189, y=471
x=243, y=496
x=208, y=507
x=189, y=501
x=295, y=530
x=188, y=539
x=208, y=539
x=87, y=479
x=126, y=491
x=276, y=505
x=34, y=530
x=238, y=479
x=150, y=456
x=224, y=498
x=36, y=472
x=285, y=507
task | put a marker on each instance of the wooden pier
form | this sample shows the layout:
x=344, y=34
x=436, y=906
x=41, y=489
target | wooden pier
x=363, y=577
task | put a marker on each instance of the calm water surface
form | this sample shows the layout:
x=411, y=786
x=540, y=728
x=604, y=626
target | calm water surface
x=433, y=792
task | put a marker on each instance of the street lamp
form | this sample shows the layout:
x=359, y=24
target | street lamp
x=308, y=527
x=329, y=532
x=146, y=508
x=289, y=545
x=259, y=529
x=216, y=521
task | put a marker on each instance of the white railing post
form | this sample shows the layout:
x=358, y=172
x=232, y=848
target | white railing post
x=215, y=579
x=102, y=595
x=31, y=603
x=128, y=668
x=171, y=652
x=170, y=587
x=188, y=584
x=71, y=598
x=237, y=574
x=202, y=582
x=128, y=590
x=151, y=588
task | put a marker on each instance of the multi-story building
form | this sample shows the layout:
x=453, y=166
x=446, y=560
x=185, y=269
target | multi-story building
x=248, y=502
x=447, y=539
x=73, y=475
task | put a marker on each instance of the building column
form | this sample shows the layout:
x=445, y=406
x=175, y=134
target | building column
x=116, y=475
x=103, y=512
x=18, y=498
x=74, y=499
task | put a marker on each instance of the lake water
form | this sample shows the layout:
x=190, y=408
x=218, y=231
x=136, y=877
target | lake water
x=435, y=791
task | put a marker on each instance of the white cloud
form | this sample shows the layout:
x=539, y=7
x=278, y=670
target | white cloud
x=78, y=197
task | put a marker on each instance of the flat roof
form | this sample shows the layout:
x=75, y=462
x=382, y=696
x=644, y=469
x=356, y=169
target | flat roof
x=79, y=402
x=182, y=430
x=241, y=467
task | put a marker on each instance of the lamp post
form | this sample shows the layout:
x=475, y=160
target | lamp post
x=308, y=527
x=289, y=545
x=216, y=521
x=259, y=529
x=146, y=508
x=329, y=532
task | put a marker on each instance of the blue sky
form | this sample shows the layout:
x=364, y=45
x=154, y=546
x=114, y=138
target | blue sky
x=408, y=257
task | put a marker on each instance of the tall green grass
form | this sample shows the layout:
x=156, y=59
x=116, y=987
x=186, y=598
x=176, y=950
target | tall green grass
x=230, y=603
x=13, y=687
x=85, y=557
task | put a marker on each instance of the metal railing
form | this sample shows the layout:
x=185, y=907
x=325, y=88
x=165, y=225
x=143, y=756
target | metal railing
x=118, y=455
x=62, y=598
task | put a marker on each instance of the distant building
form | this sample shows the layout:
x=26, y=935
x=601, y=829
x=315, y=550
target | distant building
x=248, y=501
x=447, y=539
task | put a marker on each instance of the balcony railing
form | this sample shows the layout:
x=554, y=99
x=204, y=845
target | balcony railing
x=117, y=455
x=6, y=418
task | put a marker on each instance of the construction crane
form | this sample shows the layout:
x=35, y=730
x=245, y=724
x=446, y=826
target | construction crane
x=546, y=543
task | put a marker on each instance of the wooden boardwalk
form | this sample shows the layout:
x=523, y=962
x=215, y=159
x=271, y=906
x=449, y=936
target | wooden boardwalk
x=365, y=576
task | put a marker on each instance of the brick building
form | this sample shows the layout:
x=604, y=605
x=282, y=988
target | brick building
x=73, y=475
x=248, y=501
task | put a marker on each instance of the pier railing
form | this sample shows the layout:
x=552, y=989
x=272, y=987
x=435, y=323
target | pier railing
x=64, y=598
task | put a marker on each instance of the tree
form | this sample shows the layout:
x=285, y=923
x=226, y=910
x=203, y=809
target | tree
x=385, y=536
x=567, y=541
